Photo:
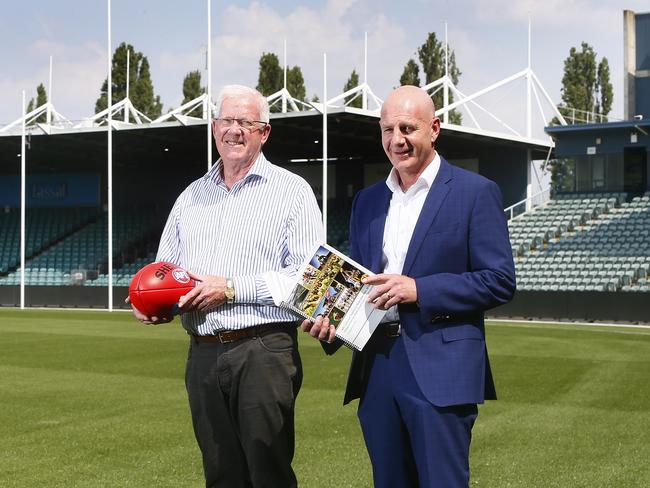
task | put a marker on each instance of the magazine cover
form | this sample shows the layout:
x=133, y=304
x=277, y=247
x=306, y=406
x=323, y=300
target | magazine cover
x=330, y=284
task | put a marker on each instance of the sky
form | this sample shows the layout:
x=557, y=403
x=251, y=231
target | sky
x=490, y=41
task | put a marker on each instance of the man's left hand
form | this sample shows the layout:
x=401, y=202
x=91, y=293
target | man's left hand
x=391, y=289
x=209, y=293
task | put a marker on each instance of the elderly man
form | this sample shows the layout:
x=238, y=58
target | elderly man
x=437, y=236
x=235, y=227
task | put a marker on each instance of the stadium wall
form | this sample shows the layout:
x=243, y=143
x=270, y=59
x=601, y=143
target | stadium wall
x=64, y=296
x=581, y=306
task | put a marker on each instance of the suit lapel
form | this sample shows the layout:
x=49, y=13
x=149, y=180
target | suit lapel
x=437, y=194
x=377, y=225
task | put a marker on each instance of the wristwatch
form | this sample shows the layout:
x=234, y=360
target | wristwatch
x=230, y=291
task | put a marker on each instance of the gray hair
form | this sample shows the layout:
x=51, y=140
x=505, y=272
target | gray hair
x=235, y=91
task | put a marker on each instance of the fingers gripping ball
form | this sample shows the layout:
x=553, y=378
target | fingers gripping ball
x=157, y=287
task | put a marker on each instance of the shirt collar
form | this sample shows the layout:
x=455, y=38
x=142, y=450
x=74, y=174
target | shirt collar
x=260, y=168
x=425, y=179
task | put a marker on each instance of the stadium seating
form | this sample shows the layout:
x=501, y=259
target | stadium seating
x=584, y=242
x=43, y=228
x=80, y=257
x=338, y=223
x=575, y=242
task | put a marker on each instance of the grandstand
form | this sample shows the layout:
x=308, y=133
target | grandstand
x=584, y=242
x=69, y=246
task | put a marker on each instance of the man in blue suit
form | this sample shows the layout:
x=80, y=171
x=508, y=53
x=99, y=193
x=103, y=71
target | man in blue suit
x=438, y=239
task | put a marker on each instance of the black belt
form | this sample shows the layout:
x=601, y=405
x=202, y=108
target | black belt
x=227, y=336
x=390, y=329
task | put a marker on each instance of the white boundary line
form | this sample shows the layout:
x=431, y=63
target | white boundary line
x=558, y=322
x=487, y=321
x=67, y=309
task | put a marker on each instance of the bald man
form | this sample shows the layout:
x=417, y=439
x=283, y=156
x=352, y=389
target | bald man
x=437, y=237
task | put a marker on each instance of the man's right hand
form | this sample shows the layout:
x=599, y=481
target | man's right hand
x=321, y=329
x=146, y=319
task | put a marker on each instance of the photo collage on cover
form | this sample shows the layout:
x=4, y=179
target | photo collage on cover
x=328, y=286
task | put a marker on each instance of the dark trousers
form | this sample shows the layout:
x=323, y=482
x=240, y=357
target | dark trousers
x=411, y=442
x=242, y=396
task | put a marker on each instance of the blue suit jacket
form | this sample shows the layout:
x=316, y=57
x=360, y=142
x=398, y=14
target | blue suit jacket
x=461, y=260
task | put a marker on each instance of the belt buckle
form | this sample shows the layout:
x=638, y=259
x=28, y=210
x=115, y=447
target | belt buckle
x=222, y=337
x=393, y=330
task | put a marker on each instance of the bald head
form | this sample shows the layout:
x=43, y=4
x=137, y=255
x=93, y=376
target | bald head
x=410, y=98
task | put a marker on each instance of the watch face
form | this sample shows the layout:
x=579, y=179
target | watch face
x=230, y=290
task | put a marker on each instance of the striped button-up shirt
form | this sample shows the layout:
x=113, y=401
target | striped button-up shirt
x=268, y=222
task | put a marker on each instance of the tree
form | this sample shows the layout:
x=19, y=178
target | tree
x=411, y=74
x=353, y=100
x=604, y=88
x=432, y=58
x=296, y=83
x=141, y=90
x=585, y=84
x=586, y=90
x=352, y=82
x=192, y=89
x=562, y=175
x=41, y=99
x=270, y=78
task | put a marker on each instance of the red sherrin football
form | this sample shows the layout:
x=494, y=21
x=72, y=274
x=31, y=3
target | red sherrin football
x=157, y=287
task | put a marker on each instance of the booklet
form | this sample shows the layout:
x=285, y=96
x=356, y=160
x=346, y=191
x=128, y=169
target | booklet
x=329, y=284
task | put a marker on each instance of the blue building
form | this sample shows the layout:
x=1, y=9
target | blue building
x=614, y=156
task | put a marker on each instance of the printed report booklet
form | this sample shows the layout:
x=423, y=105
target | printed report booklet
x=329, y=284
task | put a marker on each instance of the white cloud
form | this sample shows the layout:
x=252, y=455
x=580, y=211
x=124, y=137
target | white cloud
x=78, y=72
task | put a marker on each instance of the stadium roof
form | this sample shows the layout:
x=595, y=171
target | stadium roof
x=353, y=134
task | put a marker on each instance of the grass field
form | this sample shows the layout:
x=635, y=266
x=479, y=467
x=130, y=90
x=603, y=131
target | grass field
x=93, y=399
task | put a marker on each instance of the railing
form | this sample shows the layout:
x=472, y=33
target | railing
x=578, y=116
x=527, y=203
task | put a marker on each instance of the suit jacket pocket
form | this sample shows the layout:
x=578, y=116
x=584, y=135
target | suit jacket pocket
x=459, y=332
x=440, y=229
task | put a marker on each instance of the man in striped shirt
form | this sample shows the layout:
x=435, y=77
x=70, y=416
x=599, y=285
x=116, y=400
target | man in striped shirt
x=237, y=229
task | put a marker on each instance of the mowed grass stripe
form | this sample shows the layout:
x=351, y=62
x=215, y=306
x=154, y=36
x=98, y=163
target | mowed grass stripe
x=95, y=399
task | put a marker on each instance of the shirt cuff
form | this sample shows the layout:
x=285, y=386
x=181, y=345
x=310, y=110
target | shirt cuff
x=245, y=289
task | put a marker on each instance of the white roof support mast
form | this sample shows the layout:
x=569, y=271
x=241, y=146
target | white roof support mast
x=208, y=88
x=109, y=131
x=23, y=176
x=445, y=87
x=128, y=78
x=324, y=192
x=48, y=116
x=364, y=93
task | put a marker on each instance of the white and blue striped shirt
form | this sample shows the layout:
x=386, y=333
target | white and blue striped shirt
x=267, y=222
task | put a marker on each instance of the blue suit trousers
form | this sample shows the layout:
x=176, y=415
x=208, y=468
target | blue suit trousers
x=411, y=442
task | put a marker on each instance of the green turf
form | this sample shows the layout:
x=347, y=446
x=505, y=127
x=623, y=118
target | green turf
x=93, y=399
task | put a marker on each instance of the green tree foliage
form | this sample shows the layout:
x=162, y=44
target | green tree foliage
x=585, y=84
x=41, y=99
x=562, y=175
x=432, y=58
x=192, y=89
x=411, y=74
x=141, y=90
x=587, y=89
x=353, y=81
x=296, y=83
x=604, y=88
x=270, y=78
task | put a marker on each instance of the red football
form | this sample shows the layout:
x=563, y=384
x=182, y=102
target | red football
x=157, y=287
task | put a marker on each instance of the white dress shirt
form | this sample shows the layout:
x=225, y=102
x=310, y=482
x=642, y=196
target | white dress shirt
x=403, y=214
x=268, y=222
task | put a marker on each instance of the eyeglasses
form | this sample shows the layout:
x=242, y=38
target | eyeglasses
x=245, y=124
